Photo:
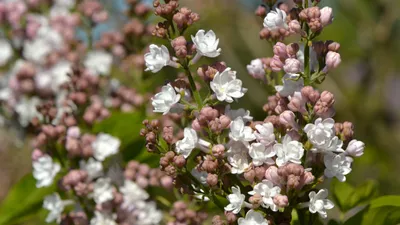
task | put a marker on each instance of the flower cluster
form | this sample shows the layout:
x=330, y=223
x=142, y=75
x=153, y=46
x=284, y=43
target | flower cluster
x=264, y=168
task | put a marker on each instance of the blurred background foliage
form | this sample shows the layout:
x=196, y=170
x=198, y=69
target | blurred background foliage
x=366, y=86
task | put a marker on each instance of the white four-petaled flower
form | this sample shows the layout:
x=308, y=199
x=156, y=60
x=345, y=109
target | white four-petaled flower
x=102, y=218
x=188, y=143
x=157, y=58
x=104, y=146
x=337, y=165
x=6, y=52
x=322, y=135
x=44, y=171
x=132, y=194
x=226, y=87
x=291, y=84
x=165, y=100
x=256, y=69
x=319, y=203
x=261, y=154
x=240, y=132
x=206, y=43
x=235, y=113
x=55, y=205
x=238, y=157
x=265, y=134
x=93, y=168
x=236, y=200
x=253, y=218
x=102, y=190
x=275, y=19
x=98, y=62
x=288, y=151
x=267, y=190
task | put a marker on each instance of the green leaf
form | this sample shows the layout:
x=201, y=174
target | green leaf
x=23, y=200
x=389, y=200
x=347, y=197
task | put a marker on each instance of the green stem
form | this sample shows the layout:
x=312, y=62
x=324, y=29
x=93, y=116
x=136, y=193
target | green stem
x=193, y=88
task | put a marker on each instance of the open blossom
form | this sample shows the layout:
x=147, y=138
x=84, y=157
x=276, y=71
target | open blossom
x=147, y=213
x=157, y=58
x=288, y=151
x=265, y=133
x=104, y=146
x=253, y=218
x=337, y=165
x=26, y=109
x=226, y=87
x=102, y=190
x=132, y=194
x=6, y=52
x=291, y=84
x=55, y=205
x=355, y=148
x=98, y=62
x=267, y=191
x=236, y=200
x=256, y=69
x=206, y=43
x=322, y=135
x=165, y=100
x=103, y=218
x=319, y=203
x=188, y=143
x=261, y=154
x=275, y=19
x=93, y=168
x=238, y=157
x=44, y=171
x=240, y=132
x=235, y=113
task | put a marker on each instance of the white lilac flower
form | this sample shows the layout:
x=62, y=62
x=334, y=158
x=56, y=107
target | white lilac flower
x=261, y=154
x=53, y=78
x=240, y=132
x=206, y=43
x=288, y=151
x=275, y=19
x=165, y=100
x=319, y=203
x=323, y=136
x=235, y=113
x=157, y=58
x=188, y=143
x=132, y=194
x=267, y=190
x=256, y=69
x=238, y=157
x=147, y=213
x=337, y=165
x=265, y=134
x=104, y=146
x=93, y=168
x=98, y=62
x=226, y=87
x=44, y=171
x=291, y=84
x=6, y=52
x=55, y=205
x=253, y=218
x=355, y=148
x=26, y=109
x=102, y=218
x=102, y=190
x=236, y=201
x=200, y=176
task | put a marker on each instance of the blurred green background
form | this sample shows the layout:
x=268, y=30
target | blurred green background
x=366, y=85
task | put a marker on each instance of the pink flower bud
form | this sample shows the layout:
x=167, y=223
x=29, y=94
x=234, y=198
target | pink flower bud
x=73, y=132
x=294, y=135
x=167, y=182
x=287, y=118
x=294, y=27
x=271, y=174
x=308, y=178
x=280, y=50
x=281, y=201
x=36, y=154
x=292, y=65
x=327, y=98
x=212, y=179
x=276, y=64
x=326, y=16
x=218, y=151
x=196, y=125
x=225, y=121
x=332, y=60
x=100, y=16
x=180, y=161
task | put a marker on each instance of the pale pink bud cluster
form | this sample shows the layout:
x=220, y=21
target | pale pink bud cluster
x=211, y=118
x=12, y=12
x=285, y=57
x=145, y=176
x=94, y=10
x=207, y=72
x=126, y=99
x=294, y=176
x=185, y=17
x=182, y=214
